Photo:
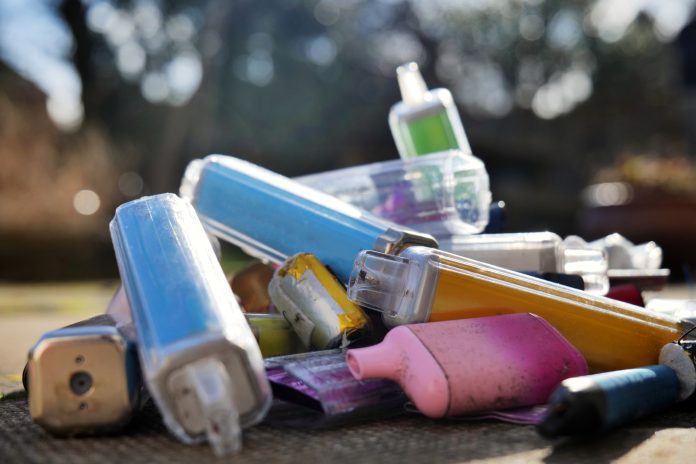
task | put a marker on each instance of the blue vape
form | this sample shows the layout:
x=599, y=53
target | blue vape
x=273, y=217
x=600, y=402
x=199, y=358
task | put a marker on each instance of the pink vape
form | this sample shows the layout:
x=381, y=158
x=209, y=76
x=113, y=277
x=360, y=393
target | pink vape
x=472, y=365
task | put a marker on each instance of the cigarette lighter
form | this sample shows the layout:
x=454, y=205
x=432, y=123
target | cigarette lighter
x=273, y=217
x=438, y=194
x=199, y=358
x=536, y=252
x=84, y=379
x=322, y=381
x=425, y=121
x=423, y=284
x=473, y=365
x=315, y=304
x=274, y=334
x=600, y=402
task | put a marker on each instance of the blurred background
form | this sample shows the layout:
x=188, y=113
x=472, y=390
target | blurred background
x=584, y=112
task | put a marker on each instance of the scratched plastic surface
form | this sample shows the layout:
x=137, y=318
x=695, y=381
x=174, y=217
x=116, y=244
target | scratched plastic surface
x=440, y=193
x=171, y=275
x=325, y=377
x=273, y=217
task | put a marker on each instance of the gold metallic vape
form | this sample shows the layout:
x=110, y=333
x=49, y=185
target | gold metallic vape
x=84, y=379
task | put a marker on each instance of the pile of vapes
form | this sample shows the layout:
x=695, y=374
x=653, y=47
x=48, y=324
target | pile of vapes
x=377, y=290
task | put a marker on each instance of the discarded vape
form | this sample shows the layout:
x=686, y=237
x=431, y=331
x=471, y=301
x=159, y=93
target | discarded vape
x=84, y=379
x=274, y=334
x=273, y=217
x=440, y=194
x=199, y=358
x=316, y=304
x=423, y=284
x=597, y=403
x=425, y=121
x=534, y=251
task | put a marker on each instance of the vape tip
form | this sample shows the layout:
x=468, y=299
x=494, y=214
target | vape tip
x=411, y=84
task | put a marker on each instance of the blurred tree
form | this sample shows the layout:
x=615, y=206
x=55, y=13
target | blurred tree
x=306, y=85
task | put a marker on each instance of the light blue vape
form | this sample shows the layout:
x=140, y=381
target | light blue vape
x=273, y=217
x=200, y=360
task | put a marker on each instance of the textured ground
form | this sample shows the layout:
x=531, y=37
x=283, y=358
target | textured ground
x=26, y=312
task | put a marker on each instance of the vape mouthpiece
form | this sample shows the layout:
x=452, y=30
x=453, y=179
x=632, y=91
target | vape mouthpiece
x=411, y=84
x=203, y=394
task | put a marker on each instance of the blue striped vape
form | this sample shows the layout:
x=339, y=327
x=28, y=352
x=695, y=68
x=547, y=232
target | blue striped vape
x=273, y=217
x=199, y=358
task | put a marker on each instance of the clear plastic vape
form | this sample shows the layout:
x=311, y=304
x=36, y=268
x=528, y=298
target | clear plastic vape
x=425, y=121
x=534, y=252
x=199, y=357
x=624, y=254
x=273, y=217
x=439, y=194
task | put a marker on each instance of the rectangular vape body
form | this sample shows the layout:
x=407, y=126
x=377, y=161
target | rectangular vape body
x=424, y=285
x=439, y=194
x=536, y=252
x=316, y=305
x=425, y=121
x=200, y=360
x=273, y=217
x=84, y=379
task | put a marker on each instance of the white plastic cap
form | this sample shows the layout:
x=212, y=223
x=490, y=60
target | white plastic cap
x=202, y=392
x=411, y=84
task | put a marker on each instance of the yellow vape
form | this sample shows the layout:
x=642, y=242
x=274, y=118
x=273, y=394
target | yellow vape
x=423, y=284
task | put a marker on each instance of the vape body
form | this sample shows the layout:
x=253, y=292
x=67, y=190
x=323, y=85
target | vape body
x=273, y=217
x=439, y=194
x=536, y=252
x=425, y=121
x=200, y=360
x=316, y=305
x=473, y=365
x=84, y=379
x=423, y=284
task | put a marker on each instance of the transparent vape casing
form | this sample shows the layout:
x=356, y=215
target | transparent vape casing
x=273, y=217
x=439, y=194
x=199, y=357
x=534, y=252
x=425, y=121
x=424, y=284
